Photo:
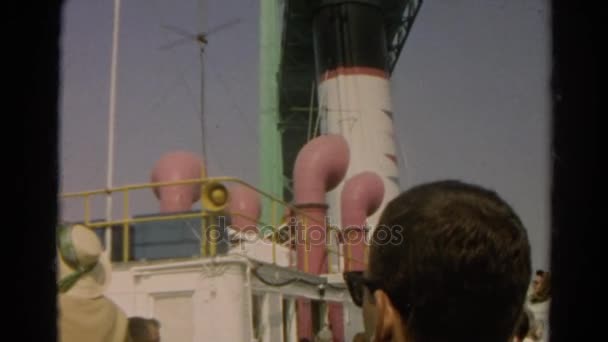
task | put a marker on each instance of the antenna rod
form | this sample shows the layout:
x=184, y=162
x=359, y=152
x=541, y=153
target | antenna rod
x=203, y=124
x=111, y=119
x=202, y=7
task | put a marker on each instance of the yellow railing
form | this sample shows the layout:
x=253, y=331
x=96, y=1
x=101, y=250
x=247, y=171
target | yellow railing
x=208, y=248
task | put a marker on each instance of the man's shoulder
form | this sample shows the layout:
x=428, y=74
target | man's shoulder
x=98, y=303
x=108, y=302
x=80, y=317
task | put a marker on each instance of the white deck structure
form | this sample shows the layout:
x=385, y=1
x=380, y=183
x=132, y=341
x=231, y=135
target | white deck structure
x=236, y=297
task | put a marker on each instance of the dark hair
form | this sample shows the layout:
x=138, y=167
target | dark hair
x=138, y=328
x=452, y=257
x=540, y=272
x=154, y=322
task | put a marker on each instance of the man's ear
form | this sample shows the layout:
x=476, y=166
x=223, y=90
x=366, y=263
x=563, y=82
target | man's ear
x=388, y=320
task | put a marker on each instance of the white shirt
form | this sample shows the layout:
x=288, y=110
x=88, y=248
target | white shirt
x=541, y=316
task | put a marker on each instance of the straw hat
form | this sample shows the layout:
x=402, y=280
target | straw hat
x=84, y=269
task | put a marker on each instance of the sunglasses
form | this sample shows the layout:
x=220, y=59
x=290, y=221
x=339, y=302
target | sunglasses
x=355, y=282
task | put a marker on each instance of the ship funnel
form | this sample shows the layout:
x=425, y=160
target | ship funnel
x=177, y=166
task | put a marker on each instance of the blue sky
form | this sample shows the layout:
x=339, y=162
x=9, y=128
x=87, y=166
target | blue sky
x=470, y=96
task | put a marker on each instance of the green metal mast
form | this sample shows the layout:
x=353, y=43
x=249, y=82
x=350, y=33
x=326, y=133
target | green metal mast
x=270, y=161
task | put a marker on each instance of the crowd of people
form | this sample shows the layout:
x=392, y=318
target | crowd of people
x=448, y=261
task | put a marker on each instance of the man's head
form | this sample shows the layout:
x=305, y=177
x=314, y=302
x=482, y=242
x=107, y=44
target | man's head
x=84, y=268
x=541, y=288
x=538, y=279
x=144, y=330
x=448, y=261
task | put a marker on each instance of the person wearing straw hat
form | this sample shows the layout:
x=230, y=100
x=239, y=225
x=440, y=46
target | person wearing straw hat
x=85, y=314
